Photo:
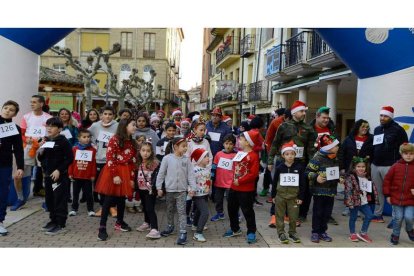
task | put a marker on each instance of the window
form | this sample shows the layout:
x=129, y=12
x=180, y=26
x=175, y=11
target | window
x=60, y=68
x=149, y=45
x=267, y=34
x=90, y=41
x=126, y=44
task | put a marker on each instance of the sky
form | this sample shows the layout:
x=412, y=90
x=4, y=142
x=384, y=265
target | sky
x=191, y=57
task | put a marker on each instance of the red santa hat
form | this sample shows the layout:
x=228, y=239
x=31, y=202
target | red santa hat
x=387, y=111
x=177, y=111
x=226, y=118
x=198, y=154
x=327, y=142
x=250, y=118
x=161, y=111
x=217, y=110
x=298, y=106
x=288, y=146
x=253, y=137
x=185, y=121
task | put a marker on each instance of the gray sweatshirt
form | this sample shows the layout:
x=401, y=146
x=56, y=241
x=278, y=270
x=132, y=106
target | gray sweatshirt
x=149, y=133
x=95, y=129
x=178, y=174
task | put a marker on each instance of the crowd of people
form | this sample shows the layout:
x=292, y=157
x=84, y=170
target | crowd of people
x=129, y=161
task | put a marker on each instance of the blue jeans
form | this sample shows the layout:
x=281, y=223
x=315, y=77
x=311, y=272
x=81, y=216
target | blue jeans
x=5, y=180
x=366, y=210
x=398, y=214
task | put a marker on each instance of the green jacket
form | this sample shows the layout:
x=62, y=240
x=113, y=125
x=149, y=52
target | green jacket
x=301, y=133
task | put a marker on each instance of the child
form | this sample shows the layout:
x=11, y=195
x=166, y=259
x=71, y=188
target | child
x=289, y=192
x=170, y=130
x=323, y=174
x=82, y=171
x=10, y=143
x=399, y=192
x=144, y=128
x=116, y=178
x=222, y=174
x=197, y=139
x=185, y=127
x=148, y=166
x=55, y=155
x=242, y=190
x=155, y=124
x=360, y=193
x=177, y=172
x=202, y=176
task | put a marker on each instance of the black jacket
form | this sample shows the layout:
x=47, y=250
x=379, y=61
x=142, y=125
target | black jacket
x=9, y=146
x=57, y=158
x=289, y=192
x=387, y=153
x=348, y=150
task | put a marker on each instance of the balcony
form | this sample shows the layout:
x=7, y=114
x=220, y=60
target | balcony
x=320, y=54
x=242, y=94
x=228, y=52
x=247, y=46
x=274, y=61
x=227, y=99
x=258, y=91
x=175, y=99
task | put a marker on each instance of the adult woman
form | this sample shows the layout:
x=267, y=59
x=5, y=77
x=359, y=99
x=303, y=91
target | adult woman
x=70, y=126
x=92, y=116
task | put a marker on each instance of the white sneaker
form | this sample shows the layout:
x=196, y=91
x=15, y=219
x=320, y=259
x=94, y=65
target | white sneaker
x=72, y=213
x=91, y=214
x=199, y=237
x=3, y=230
x=194, y=228
x=153, y=234
x=144, y=227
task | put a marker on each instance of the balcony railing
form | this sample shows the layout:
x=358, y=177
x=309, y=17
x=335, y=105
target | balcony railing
x=231, y=46
x=242, y=93
x=295, y=49
x=221, y=98
x=175, y=99
x=258, y=91
x=247, y=46
x=318, y=46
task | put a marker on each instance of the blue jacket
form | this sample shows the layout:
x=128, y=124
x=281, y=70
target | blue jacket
x=223, y=129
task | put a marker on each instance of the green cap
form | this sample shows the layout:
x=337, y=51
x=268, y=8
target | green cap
x=323, y=109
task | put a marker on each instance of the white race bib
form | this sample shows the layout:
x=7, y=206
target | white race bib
x=36, y=132
x=165, y=146
x=67, y=134
x=299, y=152
x=365, y=185
x=359, y=144
x=104, y=136
x=289, y=179
x=49, y=145
x=225, y=163
x=215, y=136
x=332, y=173
x=83, y=155
x=239, y=156
x=8, y=129
x=378, y=139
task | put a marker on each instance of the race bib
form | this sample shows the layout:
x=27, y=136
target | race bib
x=214, y=136
x=332, y=173
x=299, y=152
x=8, y=129
x=289, y=179
x=83, y=155
x=104, y=136
x=365, y=185
x=48, y=145
x=158, y=151
x=225, y=163
x=199, y=147
x=239, y=156
x=36, y=132
x=378, y=139
x=165, y=146
x=67, y=134
x=359, y=144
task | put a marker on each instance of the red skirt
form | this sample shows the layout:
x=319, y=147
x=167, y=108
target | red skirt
x=105, y=184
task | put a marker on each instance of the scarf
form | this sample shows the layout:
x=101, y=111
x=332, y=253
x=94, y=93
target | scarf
x=83, y=146
x=330, y=155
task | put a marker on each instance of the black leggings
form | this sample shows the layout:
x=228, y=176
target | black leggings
x=109, y=201
x=148, y=204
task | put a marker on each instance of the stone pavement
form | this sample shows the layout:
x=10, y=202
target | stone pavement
x=25, y=231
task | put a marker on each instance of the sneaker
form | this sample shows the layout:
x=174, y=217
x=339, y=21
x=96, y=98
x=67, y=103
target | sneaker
x=189, y=222
x=131, y=210
x=229, y=233
x=102, y=235
x=390, y=225
x=257, y=203
x=168, y=231
x=411, y=235
x=264, y=192
x=55, y=230
x=325, y=237
x=91, y=214
x=394, y=239
x=123, y=226
x=199, y=237
x=72, y=213
x=332, y=221
x=353, y=237
x=113, y=212
x=182, y=239
x=364, y=237
x=44, y=207
x=194, y=228
x=294, y=238
x=144, y=227
x=272, y=222
x=315, y=238
x=19, y=204
x=345, y=212
x=218, y=216
x=50, y=225
x=282, y=239
x=378, y=219
x=153, y=234
x=3, y=230
x=99, y=213
x=251, y=238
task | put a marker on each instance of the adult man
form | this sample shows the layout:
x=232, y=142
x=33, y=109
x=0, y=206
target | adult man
x=388, y=137
x=217, y=130
x=33, y=126
x=229, y=121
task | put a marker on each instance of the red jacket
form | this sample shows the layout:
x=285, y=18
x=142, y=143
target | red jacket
x=83, y=169
x=271, y=131
x=246, y=172
x=398, y=183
